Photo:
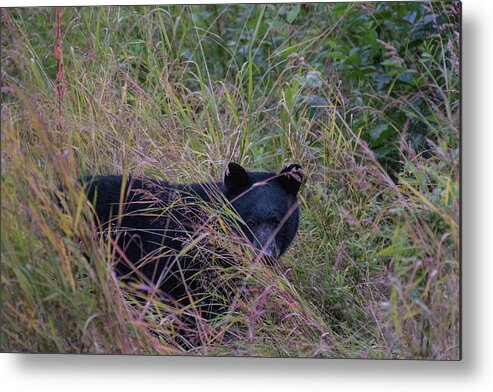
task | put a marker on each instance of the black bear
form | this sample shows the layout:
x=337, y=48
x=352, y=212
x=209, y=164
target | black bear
x=156, y=226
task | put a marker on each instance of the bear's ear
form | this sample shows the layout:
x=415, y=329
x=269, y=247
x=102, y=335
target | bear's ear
x=236, y=178
x=291, y=178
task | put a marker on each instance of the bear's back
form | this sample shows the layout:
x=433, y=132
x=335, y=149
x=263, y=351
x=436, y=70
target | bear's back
x=150, y=221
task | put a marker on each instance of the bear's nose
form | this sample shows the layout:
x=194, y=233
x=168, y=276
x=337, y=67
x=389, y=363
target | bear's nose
x=271, y=251
x=270, y=256
x=266, y=242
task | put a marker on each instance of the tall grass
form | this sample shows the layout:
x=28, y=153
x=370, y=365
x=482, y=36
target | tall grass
x=374, y=270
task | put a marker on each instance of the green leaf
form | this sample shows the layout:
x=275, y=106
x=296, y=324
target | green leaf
x=376, y=131
x=291, y=16
x=405, y=77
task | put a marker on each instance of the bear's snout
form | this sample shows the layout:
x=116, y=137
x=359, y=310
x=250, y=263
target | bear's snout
x=265, y=241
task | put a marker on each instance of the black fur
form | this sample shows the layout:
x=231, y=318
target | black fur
x=153, y=221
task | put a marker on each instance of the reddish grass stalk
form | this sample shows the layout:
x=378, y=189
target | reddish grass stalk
x=59, y=85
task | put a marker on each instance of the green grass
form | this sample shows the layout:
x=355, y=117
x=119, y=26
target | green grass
x=177, y=92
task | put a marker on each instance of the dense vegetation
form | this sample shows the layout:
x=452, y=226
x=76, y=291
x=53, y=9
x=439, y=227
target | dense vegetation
x=364, y=96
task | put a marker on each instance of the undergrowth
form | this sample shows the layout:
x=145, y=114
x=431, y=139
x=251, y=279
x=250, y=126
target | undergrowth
x=177, y=92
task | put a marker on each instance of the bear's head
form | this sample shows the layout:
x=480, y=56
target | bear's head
x=267, y=204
